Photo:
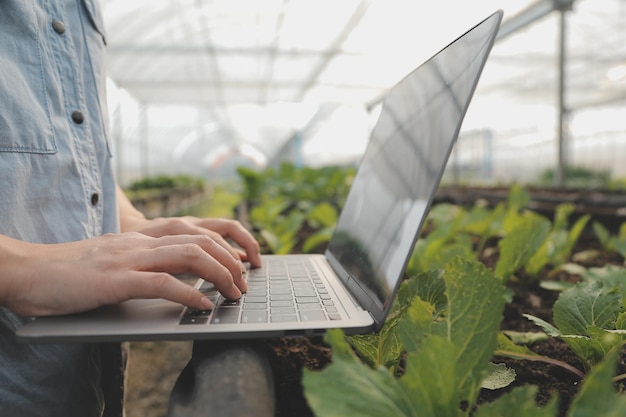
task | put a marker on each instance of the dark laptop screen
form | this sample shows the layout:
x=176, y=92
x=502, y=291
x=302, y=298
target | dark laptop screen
x=402, y=167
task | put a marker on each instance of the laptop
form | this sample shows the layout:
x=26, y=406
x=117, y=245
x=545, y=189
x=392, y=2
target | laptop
x=351, y=286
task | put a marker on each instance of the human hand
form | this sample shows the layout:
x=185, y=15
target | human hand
x=38, y=279
x=218, y=229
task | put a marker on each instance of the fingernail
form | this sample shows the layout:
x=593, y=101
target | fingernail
x=206, y=303
x=237, y=291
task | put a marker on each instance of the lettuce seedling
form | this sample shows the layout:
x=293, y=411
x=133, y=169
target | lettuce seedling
x=587, y=317
x=521, y=242
x=447, y=355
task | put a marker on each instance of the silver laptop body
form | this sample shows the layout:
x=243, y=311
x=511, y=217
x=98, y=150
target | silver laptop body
x=355, y=281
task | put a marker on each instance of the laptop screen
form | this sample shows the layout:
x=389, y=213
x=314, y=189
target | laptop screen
x=402, y=167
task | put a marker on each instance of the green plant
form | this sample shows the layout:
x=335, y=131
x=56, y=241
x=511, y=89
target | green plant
x=297, y=183
x=577, y=177
x=417, y=364
x=445, y=346
x=447, y=351
x=294, y=207
x=283, y=224
x=597, y=397
x=559, y=243
x=165, y=181
x=589, y=316
x=609, y=241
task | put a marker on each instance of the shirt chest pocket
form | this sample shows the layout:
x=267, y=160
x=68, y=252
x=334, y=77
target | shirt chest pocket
x=25, y=119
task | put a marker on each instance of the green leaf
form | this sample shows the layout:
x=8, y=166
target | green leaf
x=561, y=215
x=429, y=286
x=415, y=325
x=473, y=316
x=574, y=233
x=587, y=304
x=509, y=349
x=524, y=338
x=430, y=378
x=597, y=397
x=518, y=198
x=340, y=389
x=612, y=276
x=384, y=348
x=604, y=340
x=498, y=376
x=582, y=313
x=620, y=323
x=602, y=234
x=620, y=246
x=323, y=213
x=522, y=242
x=313, y=241
x=547, y=327
x=520, y=402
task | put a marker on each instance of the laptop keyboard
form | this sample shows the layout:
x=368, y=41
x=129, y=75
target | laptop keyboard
x=283, y=290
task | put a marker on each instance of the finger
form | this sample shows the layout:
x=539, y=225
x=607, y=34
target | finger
x=186, y=226
x=211, y=247
x=192, y=257
x=165, y=286
x=232, y=229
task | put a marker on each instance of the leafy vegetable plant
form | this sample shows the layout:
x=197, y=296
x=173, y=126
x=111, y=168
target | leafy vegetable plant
x=295, y=207
x=610, y=242
x=589, y=317
x=432, y=356
x=447, y=343
x=447, y=351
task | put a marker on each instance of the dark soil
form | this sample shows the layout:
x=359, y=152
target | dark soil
x=290, y=355
x=151, y=377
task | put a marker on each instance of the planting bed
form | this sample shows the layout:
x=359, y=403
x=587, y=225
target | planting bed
x=289, y=356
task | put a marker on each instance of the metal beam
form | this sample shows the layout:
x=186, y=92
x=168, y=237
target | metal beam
x=527, y=16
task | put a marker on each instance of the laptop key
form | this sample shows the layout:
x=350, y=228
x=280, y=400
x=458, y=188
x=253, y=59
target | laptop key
x=304, y=300
x=312, y=306
x=304, y=293
x=281, y=297
x=254, y=316
x=282, y=310
x=254, y=299
x=285, y=303
x=312, y=315
x=193, y=320
x=284, y=318
x=225, y=316
x=255, y=306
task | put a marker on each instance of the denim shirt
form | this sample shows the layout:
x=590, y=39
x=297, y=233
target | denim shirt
x=56, y=184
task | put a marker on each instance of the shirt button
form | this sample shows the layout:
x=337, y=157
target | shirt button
x=58, y=27
x=95, y=197
x=78, y=117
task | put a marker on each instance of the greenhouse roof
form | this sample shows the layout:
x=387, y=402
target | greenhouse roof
x=286, y=61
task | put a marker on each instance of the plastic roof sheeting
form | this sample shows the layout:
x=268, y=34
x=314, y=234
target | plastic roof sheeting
x=221, y=79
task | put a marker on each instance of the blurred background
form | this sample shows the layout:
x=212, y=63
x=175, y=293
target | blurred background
x=202, y=87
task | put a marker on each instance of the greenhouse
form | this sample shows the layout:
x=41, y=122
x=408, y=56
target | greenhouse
x=262, y=111
x=201, y=87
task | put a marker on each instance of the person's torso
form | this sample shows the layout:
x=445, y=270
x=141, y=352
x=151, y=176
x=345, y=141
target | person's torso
x=56, y=184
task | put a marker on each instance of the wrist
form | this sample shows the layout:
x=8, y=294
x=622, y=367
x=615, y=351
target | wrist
x=13, y=261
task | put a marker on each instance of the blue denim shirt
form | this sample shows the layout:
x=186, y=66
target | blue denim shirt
x=56, y=182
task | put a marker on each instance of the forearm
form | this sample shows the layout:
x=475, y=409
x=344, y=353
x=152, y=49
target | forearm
x=131, y=219
x=12, y=258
